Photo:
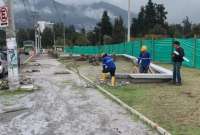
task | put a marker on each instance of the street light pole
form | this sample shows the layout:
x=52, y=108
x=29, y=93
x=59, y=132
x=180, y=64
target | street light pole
x=64, y=32
x=129, y=19
x=13, y=73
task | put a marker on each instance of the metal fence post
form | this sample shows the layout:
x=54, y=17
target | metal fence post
x=132, y=48
x=141, y=42
x=194, y=52
x=172, y=48
x=153, y=49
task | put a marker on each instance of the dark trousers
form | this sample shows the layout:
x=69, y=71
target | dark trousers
x=177, y=72
x=111, y=71
x=144, y=69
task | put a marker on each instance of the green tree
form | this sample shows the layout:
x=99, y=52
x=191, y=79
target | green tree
x=91, y=36
x=71, y=34
x=81, y=39
x=97, y=31
x=196, y=30
x=107, y=39
x=140, y=23
x=161, y=14
x=175, y=30
x=83, y=31
x=59, y=41
x=105, y=26
x=158, y=29
x=21, y=36
x=187, y=27
x=58, y=31
x=150, y=15
x=118, y=34
x=47, y=38
x=30, y=34
x=134, y=27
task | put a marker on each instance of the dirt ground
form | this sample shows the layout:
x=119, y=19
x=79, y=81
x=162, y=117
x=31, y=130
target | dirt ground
x=176, y=109
x=65, y=105
x=94, y=72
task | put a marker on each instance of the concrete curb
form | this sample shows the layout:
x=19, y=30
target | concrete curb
x=155, y=126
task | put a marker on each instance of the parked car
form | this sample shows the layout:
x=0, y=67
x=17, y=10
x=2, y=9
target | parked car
x=3, y=64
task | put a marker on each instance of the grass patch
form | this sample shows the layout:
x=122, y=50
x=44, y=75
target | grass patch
x=176, y=109
x=16, y=92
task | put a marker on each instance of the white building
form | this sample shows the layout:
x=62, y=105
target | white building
x=44, y=24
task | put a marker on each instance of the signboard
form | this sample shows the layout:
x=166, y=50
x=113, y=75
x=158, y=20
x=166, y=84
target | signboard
x=4, y=16
x=12, y=52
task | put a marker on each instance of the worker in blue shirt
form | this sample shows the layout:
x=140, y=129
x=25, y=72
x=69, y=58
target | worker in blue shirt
x=144, y=60
x=108, y=67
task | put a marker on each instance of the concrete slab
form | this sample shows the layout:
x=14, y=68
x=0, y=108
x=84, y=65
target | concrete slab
x=162, y=74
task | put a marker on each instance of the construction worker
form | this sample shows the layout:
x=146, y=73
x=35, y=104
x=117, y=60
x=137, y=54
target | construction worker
x=177, y=58
x=144, y=60
x=108, y=67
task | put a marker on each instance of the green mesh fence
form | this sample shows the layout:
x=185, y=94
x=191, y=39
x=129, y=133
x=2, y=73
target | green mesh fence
x=197, y=54
x=160, y=50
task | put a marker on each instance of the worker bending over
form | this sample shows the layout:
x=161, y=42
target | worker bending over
x=108, y=67
x=144, y=60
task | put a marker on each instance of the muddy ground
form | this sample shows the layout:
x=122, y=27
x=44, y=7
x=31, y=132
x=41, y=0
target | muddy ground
x=94, y=72
x=65, y=105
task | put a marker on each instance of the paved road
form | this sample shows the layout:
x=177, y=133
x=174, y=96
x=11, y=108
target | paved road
x=64, y=106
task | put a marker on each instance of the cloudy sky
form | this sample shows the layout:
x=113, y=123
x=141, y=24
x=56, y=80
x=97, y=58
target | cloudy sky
x=177, y=9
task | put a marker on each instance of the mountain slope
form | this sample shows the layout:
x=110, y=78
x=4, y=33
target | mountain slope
x=26, y=13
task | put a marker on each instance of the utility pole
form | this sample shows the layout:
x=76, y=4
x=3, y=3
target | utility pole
x=129, y=20
x=13, y=73
x=40, y=42
x=64, y=32
x=36, y=38
x=54, y=36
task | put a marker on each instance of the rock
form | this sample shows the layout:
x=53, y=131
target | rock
x=26, y=81
x=62, y=72
x=32, y=71
x=27, y=87
x=4, y=85
x=15, y=108
x=35, y=64
x=35, y=70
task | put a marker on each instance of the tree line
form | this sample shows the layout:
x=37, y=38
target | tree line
x=151, y=22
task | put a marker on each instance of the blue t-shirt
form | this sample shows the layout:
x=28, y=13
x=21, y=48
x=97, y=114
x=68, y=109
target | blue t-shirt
x=144, y=59
x=108, y=63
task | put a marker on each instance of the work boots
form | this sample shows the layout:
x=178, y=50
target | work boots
x=103, y=77
x=113, y=81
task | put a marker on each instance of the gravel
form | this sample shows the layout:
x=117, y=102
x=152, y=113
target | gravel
x=64, y=106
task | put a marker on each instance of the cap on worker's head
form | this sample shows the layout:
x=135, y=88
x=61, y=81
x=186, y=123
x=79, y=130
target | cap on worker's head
x=104, y=55
x=177, y=43
x=143, y=49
